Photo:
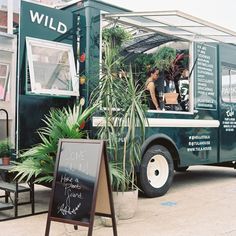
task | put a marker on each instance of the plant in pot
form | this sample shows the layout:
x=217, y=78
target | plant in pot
x=38, y=162
x=123, y=127
x=5, y=151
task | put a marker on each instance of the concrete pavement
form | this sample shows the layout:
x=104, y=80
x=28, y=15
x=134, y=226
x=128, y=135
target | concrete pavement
x=200, y=202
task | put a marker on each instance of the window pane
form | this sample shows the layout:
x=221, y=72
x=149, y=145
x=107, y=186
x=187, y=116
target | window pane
x=225, y=84
x=5, y=42
x=51, y=68
x=233, y=85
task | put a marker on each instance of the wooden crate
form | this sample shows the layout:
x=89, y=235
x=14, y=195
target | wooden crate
x=171, y=98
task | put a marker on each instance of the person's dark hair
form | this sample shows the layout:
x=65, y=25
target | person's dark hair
x=151, y=71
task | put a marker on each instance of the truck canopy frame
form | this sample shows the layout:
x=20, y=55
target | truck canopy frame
x=176, y=24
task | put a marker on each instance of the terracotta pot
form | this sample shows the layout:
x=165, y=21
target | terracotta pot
x=6, y=161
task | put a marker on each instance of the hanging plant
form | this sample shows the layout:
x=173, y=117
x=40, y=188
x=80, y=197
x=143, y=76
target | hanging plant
x=116, y=36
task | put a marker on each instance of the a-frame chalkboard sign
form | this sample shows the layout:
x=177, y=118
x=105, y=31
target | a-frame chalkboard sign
x=81, y=187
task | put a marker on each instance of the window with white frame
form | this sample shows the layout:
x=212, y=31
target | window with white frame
x=51, y=68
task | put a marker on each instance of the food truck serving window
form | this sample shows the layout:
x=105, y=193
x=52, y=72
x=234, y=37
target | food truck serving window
x=51, y=68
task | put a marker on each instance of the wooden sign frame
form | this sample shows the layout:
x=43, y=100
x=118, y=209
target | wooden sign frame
x=102, y=201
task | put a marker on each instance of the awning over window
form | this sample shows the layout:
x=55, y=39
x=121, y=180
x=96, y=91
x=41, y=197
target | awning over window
x=173, y=24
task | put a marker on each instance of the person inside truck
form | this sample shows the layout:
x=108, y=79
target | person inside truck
x=150, y=88
x=159, y=84
x=184, y=90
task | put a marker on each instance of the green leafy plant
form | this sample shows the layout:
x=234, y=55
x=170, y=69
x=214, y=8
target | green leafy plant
x=164, y=57
x=142, y=64
x=171, y=62
x=132, y=128
x=38, y=162
x=124, y=121
x=116, y=36
x=177, y=66
x=5, y=148
x=116, y=174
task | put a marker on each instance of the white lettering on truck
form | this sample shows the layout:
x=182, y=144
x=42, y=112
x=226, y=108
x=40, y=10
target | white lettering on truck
x=48, y=22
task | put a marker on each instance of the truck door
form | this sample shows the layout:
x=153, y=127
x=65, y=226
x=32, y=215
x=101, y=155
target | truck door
x=228, y=113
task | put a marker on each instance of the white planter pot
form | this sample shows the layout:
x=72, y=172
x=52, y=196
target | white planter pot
x=125, y=204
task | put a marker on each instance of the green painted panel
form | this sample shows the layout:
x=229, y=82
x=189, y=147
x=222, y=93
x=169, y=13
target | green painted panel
x=44, y=23
x=41, y=22
x=227, y=109
x=195, y=145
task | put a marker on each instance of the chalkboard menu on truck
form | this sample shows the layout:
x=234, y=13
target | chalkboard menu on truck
x=206, y=76
x=76, y=182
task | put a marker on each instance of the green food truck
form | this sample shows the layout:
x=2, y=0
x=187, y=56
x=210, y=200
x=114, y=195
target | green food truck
x=197, y=122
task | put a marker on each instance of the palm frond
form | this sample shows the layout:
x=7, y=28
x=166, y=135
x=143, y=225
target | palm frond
x=125, y=118
x=38, y=162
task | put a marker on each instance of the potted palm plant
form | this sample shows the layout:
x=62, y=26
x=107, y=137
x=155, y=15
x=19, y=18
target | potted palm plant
x=123, y=127
x=5, y=151
x=38, y=162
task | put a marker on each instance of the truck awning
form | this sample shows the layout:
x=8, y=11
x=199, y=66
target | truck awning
x=175, y=24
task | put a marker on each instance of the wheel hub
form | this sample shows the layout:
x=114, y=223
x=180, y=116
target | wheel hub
x=157, y=171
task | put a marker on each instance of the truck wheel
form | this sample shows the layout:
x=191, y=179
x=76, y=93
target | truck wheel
x=156, y=171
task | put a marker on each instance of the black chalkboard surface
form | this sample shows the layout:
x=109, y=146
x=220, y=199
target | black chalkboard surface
x=76, y=183
x=75, y=180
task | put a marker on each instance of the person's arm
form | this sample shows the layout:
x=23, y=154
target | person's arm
x=151, y=88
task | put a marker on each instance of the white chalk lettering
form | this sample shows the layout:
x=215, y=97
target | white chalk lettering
x=66, y=210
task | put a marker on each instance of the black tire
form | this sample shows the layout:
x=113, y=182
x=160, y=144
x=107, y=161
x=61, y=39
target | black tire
x=181, y=169
x=156, y=171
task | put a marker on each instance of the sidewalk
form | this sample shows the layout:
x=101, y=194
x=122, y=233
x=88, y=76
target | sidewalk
x=201, y=202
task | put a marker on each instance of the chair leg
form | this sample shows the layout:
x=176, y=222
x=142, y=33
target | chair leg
x=16, y=201
x=32, y=197
x=6, y=196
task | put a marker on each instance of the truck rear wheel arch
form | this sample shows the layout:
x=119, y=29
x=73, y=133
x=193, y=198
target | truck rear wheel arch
x=165, y=141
